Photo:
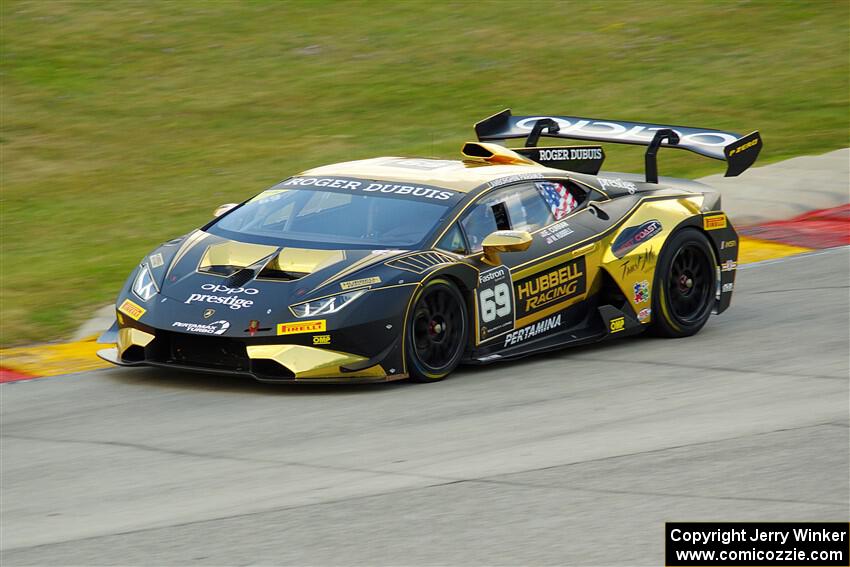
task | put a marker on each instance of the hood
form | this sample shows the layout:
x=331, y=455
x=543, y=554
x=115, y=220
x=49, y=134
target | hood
x=204, y=263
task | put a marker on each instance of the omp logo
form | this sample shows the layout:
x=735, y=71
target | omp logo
x=637, y=133
x=714, y=222
x=321, y=339
x=617, y=325
x=315, y=326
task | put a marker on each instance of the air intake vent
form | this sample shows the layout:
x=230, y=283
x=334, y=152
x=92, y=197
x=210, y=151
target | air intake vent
x=240, y=278
x=420, y=262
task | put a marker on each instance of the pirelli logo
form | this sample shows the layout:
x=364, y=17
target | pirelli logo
x=714, y=222
x=316, y=326
x=132, y=310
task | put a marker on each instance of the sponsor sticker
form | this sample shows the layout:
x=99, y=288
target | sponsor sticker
x=633, y=236
x=231, y=298
x=361, y=282
x=641, y=290
x=208, y=313
x=495, y=300
x=628, y=131
x=552, y=286
x=642, y=262
x=132, y=310
x=729, y=266
x=617, y=324
x=214, y=328
x=714, y=222
x=556, y=232
x=728, y=244
x=512, y=178
x=156, y=260
x=745, y=146
x=253, y=327
x=321, y=339
x=618, y=183
x=644, y=314
x=533, y=330
x=727, y=287
x=374, y=188
x=315, y=326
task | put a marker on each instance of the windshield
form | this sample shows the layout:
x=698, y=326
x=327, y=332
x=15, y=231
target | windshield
x=318, y=215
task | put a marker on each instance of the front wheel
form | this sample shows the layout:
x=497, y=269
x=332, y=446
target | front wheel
x=685, y=285
x=437, y=331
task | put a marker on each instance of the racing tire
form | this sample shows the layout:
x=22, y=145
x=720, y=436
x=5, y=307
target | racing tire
x=685, y=285
x=437, y=331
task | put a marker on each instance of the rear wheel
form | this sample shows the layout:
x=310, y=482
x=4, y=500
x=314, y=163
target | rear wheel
x=685, y=285
x=437, y=331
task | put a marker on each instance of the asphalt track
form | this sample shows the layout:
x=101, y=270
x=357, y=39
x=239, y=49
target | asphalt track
x=577, y=457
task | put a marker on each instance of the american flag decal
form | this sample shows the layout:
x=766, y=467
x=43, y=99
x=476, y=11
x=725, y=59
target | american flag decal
x=559, y=199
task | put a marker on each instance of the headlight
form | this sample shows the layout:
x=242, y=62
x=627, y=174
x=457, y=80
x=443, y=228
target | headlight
x=325, y=305
x=145, y=286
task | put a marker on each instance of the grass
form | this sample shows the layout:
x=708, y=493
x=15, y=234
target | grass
x=126, y=123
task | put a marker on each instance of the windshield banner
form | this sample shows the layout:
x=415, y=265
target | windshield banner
x=379, y=188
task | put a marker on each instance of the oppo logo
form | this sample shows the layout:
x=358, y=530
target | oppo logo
x=229, y=290
x=614, y=130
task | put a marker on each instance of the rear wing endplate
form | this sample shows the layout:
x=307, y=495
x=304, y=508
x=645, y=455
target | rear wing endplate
x=739, y=152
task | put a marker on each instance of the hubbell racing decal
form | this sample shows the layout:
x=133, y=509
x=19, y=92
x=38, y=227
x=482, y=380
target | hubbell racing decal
x=714, y=222
x=634, y=236
x=132, y=310
x=361, y=282
x=550, y=287
x=343, y=185
x=533, y=330
x=316, y=326
x=495, y=303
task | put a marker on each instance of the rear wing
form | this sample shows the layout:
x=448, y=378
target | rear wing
x=739, y=152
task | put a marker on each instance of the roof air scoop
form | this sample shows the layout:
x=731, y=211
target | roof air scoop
x=493, y=154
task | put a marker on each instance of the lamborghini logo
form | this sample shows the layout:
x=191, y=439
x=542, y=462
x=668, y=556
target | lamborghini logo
x=208, y=313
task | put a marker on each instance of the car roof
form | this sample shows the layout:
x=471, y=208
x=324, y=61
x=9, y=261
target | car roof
x=462, y=176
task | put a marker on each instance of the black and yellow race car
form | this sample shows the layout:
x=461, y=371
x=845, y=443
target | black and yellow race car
x=393, y=268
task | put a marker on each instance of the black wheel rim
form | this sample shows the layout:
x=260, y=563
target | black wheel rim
x=437, y=329
x=690, y=283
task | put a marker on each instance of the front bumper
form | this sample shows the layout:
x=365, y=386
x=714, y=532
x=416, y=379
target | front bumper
x=265, y=362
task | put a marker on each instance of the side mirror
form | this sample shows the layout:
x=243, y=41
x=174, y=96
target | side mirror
x=504, y=241
x=223, y=209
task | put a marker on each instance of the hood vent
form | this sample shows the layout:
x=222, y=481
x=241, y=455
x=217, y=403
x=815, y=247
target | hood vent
x=419, y=262
x=240, y=278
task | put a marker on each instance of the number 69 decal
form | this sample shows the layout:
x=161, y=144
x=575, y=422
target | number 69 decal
x=495, y=302
x=495, y=298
